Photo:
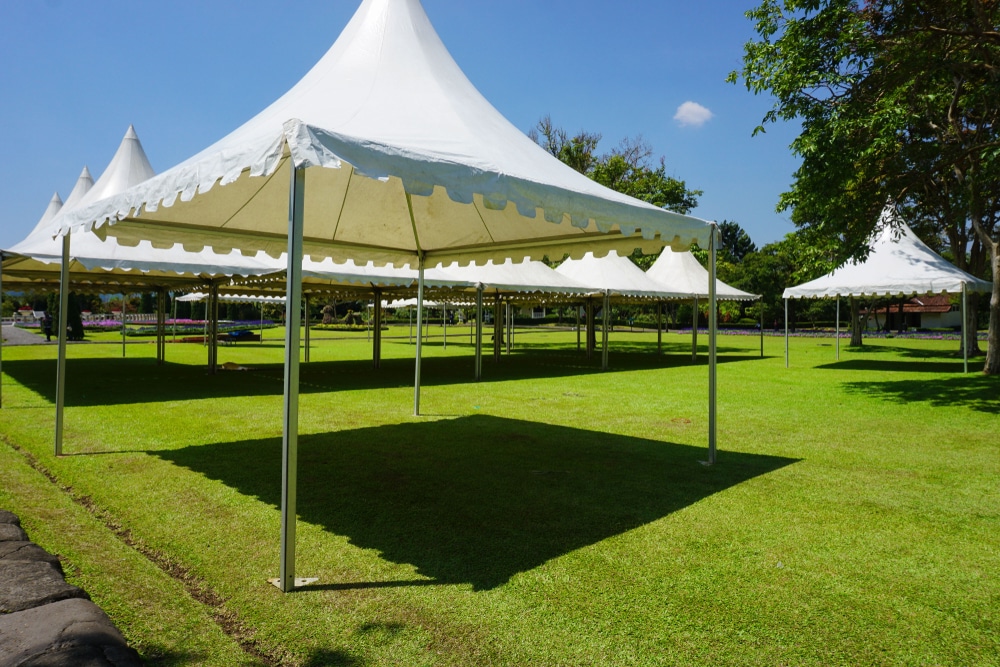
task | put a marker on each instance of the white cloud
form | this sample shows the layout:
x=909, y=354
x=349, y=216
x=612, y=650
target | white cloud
x=692, y=113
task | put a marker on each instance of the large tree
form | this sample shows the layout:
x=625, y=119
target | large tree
x=896, y=99
x=628, y=168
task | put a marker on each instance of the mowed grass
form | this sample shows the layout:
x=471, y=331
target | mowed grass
x=552, y=514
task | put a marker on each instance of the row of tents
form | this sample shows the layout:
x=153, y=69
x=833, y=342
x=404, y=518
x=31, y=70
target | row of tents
x=382, y=156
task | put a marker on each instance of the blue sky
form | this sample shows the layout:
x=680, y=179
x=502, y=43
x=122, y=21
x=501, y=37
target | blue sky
x=74, y=75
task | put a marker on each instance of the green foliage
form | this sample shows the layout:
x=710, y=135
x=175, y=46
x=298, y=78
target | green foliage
x=626, y=169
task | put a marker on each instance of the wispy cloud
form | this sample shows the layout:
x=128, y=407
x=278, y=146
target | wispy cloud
x=693, y=114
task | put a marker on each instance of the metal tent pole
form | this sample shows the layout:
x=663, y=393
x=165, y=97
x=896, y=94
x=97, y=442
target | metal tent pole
x=508, y=315
x=290, y=426
x=261, y=341
x=377, y=331
x=420, y=315
x=694, y=331
x=61, y=365
x=213, y=329
x=761, y=327
x=712, y=333
x=577, y=309
x=837, y=328
x=444, y=324
x=161, y=323
x=605, y=308
x=497, y=327
x=659, y=327
x=305, y=321
x=965, y=337
x=175, y=317
x=479, y=332
x=123, y=324
x=786, y=333
x=591, y=332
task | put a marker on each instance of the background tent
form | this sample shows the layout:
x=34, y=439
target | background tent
x=383, y=152
x=612, y=276
x=682, y=272
x=898, y=264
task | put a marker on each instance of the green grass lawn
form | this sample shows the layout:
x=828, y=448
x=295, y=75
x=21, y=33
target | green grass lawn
x=552, y=514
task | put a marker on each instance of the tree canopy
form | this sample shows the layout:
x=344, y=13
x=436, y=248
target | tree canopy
x=897, y=100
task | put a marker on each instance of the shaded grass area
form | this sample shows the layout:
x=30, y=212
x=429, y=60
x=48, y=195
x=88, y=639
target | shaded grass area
x=553, y=514
x=477, y=499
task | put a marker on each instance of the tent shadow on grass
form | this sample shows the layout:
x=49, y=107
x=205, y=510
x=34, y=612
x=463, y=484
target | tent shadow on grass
x=112, y=381
x=896, y=366
x=477, y=499
x=976, y=392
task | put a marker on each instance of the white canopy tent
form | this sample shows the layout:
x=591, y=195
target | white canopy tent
x=898, y=264
x=383, y=152
x=682, y=272
x=613, y=276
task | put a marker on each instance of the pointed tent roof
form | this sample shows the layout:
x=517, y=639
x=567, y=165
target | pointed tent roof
x=617, y=275
x=43, y=228
x=682, y=272
x=417, y=163
x=38, y=256
x=899, y=264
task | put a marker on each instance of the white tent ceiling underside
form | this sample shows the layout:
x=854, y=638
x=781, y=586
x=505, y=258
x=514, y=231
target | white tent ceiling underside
x=899, y=264
x=415, y=162
x=682, y=272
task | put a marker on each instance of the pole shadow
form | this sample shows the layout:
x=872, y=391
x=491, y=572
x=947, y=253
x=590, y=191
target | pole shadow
x=478, y=499
x=895, y=366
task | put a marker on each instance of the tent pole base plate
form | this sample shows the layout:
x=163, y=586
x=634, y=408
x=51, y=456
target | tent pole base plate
x=706, y=463
x=299, y=581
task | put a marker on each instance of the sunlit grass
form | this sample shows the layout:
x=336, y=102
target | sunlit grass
x=552, y=514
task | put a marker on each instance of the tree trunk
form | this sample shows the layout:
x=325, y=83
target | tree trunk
x=856, y=340
x=992, y=365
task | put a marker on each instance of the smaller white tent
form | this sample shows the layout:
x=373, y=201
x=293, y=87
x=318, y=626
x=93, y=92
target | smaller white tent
x=682, y=272
x=898, y=264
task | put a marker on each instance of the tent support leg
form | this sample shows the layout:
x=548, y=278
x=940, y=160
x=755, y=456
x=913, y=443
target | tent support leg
x=377, y=330
x=604, y=339
x=712, y=334
x=837, y=329
x=305, y=321
x=762, y=328
x=965, y=337
x=161, y=323
x=694, y=331
x=290, y=433
x=659, y=328
x=577, y=309
x=497, y=328
x=124, y=299
x=61, y=364
x=479, y=333
x=420, y=319
x=786, y=333
x=444, y=325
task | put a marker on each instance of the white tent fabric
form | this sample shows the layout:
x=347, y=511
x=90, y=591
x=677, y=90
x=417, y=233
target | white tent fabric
x=527, y=276
x=107, y=262
x=417, y=162
x=682, y=272
x=616, y=275
x=899, y=264
x=233, y=298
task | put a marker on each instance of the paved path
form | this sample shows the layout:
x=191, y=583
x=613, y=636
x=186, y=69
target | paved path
x=15, y=336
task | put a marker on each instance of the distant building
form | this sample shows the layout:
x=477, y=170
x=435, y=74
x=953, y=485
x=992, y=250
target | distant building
x=929, y=311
